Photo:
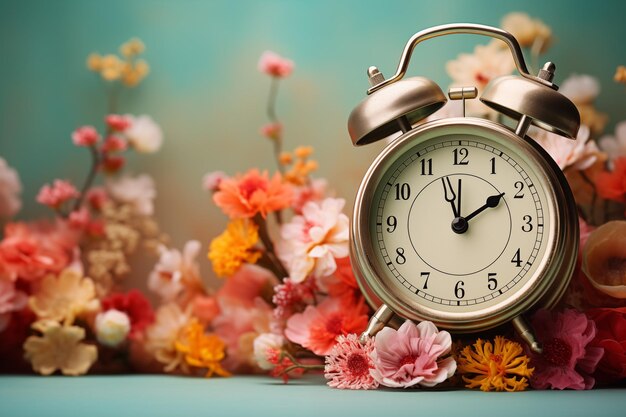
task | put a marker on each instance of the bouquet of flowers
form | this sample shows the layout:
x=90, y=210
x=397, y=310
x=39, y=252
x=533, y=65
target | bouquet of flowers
x=290, y=303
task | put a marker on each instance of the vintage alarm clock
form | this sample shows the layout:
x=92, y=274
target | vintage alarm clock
x=463, y=221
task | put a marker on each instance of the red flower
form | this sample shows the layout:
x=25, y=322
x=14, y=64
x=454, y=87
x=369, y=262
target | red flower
x=135, y=305
x=118, y=122
x=612, y=185
x=610, y=335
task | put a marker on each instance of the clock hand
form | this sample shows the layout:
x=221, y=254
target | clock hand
x=492, y=201
x=458, y=199
x=450, y=195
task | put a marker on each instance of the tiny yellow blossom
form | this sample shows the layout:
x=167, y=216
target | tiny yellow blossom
x=111, y=67
x=94, y=62
x=132, y=47
x=303, y=152
x=234, y=247
x=285, y=158
x=620, y=74
x=202, y=350
x=494, y=367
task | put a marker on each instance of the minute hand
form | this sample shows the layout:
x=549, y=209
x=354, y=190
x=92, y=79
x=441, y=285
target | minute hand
x=492, y=201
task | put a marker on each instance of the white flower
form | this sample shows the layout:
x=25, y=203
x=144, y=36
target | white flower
x=579, y=154
x=10, y=189
x=262, y=345
x=138, y=192
x=174, y=270
x=615, y=146
x=144, y=134
x=581, y=89
x=311, y=242
x=112, y=327
x=529, y=32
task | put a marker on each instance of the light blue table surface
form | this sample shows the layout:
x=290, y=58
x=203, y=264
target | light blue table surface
x=152, y=396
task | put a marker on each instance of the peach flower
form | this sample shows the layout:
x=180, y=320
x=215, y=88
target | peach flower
x=253, y=193
x=311, y=242
x=59, y=348
x=275, y=65
x=162, y=335
x=604, y=259
x=63, y=297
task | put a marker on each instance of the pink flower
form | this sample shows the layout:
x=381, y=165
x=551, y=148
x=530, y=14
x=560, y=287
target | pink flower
x=318, y=326
x=11, y=299
x=567, y=360
x=80, y=218
x=275, y=65
x=272, y=130
x=412, y=355
x=349, y=365
x=211, y=181
x=312, y=241
x=97, y=197
x=56, y=194
x=85, y=136
x=118, y=122
x=114, y=144
x=290, y=296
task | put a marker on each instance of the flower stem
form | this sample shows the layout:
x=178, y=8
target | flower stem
x=279, y=269
x=271, y=114
x=95, y=163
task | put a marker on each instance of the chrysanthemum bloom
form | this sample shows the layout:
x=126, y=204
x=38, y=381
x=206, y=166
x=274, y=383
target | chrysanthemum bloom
x=604, y=258
x=176, y=271
x=64, y=297
x=118, y=122
x=567, y=361
x=610, y=336
x=253, y=193
x=318, y=326
x=162, y=335
x=311, y=242
x=85, y=136
x=202, y=350
x=135, y=305
x=112, y=327
x=275, y=65
x=56, y=194
x=612, y=184
x=234, y=247
x=349, y=365
x=501, y=366
x=10, y=189
x=59, y=348
x=144, y=134
x=11, y=299
x=412, y=355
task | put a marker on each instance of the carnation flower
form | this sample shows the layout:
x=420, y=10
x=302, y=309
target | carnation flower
x=139, y=192
x=117, y=122
x=501, y=366
x=318, y=326
x=162, y=335
x=135, y=306
x=59, y=348
x=275, y=65
x=610, y=336
x=112, y=327
x=56, y=194
x=63, y=297
x=10, y=190
x=579, y=154
x=266, y=347
x=312, y=241
x=144, y=134
x=349, y=364
x=202, y=350
x=85, y=136
x=211, y=181
x=253, y=193
x=567, y=361
x=234, y=247
x=11, y=299
x=604, y=258
x=529, y=32
x=412, y=355
x=614, y=145
x=612, y=185
x=176, y=271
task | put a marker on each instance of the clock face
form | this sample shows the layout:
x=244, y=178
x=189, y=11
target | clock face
x=459, y=222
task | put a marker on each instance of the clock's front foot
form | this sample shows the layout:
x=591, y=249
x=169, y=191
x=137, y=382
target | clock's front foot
x=524, y=331
x=379, y=320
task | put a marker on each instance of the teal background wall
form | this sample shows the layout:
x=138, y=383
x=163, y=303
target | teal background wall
x=209, y=98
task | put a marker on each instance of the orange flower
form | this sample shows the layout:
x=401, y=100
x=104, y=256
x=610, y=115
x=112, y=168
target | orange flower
x=202, y=350
x=604, y=258
x=253, y=193
x=234, y=247
x=612, y=185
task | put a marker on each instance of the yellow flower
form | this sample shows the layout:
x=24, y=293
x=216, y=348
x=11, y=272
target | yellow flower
x=111, y=67
x=494, y=368
x=162, y=335
x=303, y=152
x=301, y=168
x=620, y=74
x=234, y=247
x=134, y=74
x=131, y=48
x=202, y=350
x=59, y=348
x=64, y=297
x=94, y=62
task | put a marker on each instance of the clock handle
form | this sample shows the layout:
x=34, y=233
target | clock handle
x=458, y=28
x=379, y=320
x=526, y=334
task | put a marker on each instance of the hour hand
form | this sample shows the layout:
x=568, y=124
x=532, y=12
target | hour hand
x=492, y=202
x=450, y=195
